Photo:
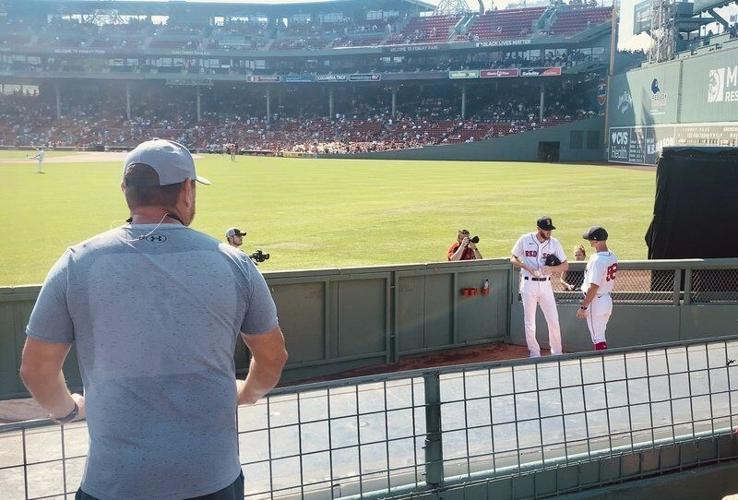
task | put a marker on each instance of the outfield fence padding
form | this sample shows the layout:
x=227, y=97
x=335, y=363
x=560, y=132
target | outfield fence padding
x=340, y=319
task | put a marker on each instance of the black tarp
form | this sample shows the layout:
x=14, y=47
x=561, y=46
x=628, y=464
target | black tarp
x=695, y=213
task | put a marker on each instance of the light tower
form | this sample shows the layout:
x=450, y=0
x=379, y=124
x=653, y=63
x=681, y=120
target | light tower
x=452, y=7
x=663, y=31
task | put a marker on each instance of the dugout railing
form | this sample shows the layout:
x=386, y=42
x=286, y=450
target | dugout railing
x=518, y=429
x=340, y=319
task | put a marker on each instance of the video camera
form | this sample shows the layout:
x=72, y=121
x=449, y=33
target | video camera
x=259, y=256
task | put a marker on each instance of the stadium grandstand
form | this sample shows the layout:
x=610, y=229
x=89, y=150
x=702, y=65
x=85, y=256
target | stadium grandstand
x=342, y=76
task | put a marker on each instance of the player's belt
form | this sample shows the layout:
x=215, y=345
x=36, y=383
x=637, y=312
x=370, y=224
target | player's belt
x=537, y=279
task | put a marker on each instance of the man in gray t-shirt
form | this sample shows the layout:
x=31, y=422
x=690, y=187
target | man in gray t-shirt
x=154, y=310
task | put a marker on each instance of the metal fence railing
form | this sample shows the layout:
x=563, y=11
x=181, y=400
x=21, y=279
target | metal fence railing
x=633, y=286
x=399, y=432
x=355, y=317
x=660, y=282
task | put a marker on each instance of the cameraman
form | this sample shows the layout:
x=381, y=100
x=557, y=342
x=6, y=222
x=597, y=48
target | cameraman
x=464, y=248
x=235, y=237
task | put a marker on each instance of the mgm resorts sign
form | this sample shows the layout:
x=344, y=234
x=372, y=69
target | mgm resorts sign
x=723, y=85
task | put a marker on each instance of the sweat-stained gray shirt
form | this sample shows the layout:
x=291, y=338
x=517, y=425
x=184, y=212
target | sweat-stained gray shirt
x=155, y=323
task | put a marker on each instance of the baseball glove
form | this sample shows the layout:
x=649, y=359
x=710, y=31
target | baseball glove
x=552, y=261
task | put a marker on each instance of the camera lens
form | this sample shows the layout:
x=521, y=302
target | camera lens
x=474, y=239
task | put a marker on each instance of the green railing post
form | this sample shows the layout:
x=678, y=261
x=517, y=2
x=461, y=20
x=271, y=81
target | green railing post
x=678, y=287
x=688, y=286
x=433, y=438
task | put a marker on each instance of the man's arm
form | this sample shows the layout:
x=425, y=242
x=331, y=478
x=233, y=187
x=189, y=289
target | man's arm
x=566, y=284
x=561, y=268
x=460, y=250
x=591, y=294
x=41, y=372
x=477, y=253
x=268, y=357
x=516, y=262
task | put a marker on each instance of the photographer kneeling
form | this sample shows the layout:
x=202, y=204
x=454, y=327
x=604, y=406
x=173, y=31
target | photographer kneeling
x=465, y=247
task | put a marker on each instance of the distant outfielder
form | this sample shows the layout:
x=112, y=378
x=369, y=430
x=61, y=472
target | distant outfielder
x=39, y=156
x=232, y=149
x=599, y=281
x=531, y=255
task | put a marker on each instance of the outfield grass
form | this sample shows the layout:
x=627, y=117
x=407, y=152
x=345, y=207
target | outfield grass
x=22, y=155
x=333, y=213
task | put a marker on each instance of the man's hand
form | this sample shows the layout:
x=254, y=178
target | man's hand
x=472, y=245
x=244, y=398
x=80, y=400
x=582, y=313
x=465, y=242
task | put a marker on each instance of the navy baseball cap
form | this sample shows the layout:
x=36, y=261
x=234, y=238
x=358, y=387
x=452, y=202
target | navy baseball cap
x=545, y=223
x=171, y=161
x=595, y=233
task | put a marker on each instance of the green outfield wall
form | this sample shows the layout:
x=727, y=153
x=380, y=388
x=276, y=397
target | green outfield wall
x=579, y=141
x=646, y=96
x=339, y=319
x=692, y=101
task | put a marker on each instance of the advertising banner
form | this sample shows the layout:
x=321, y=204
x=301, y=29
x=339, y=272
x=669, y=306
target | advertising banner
x=264, y=78
x=499, y=73
x=365, y=77
x=502, y=43
x=184, y=82
x=299, y=78
x=331, y=78
x=710, y=88
x=646, y=96
x=399, y=49
x=552, y=71
x=462, y=75
x=643, y=145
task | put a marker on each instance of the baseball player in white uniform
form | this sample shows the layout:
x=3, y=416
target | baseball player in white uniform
x=529, y=254
x=599, y=281
x=39, y=156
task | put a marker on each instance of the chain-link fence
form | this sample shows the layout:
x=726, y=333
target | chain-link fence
x=393, y=433
x=632, y=286
x=714, y=285
x=643, y=282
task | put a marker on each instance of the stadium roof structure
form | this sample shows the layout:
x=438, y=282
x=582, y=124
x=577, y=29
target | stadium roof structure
x=703, y=5
x=231, y=8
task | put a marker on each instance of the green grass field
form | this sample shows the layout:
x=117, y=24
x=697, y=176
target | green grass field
x=332, y=213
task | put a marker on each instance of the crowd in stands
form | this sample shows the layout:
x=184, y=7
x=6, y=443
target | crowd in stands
x=257, y=33
x=493, y=60
x=567, y=58
x=361, y=123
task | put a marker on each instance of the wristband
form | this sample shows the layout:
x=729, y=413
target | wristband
x=69, y=417
x=583, y=307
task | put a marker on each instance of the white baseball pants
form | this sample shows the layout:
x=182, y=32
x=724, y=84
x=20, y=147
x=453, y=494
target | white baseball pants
x=540, y=293
x=598, y=314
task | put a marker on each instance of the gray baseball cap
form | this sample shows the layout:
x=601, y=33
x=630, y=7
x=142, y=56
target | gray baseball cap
x=234, y=231
x=171, y=161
